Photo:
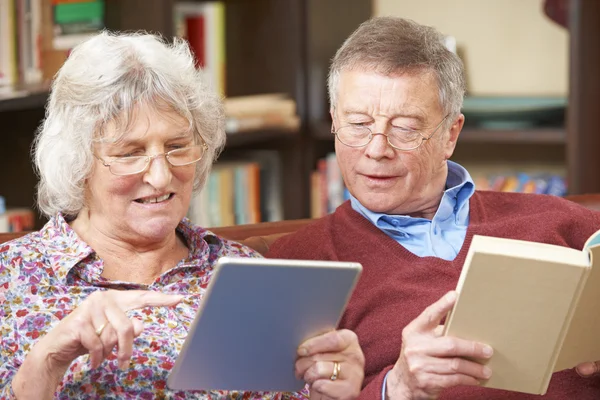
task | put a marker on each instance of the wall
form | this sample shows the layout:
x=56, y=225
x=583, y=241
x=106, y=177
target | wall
x=509, y=46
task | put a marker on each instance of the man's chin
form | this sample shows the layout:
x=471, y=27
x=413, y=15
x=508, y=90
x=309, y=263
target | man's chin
x=375, y=204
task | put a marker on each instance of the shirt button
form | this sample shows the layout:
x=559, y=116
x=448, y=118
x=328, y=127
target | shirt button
x=172, y=324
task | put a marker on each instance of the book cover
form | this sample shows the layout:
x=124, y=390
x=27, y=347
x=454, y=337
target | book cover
x=534, y=303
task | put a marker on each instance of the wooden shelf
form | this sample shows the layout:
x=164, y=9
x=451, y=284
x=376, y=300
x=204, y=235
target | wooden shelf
x=517, y=136
x=24, y=98
x=321, y=131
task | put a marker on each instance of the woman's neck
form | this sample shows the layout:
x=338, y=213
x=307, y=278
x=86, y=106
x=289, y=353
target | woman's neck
x=129, y=261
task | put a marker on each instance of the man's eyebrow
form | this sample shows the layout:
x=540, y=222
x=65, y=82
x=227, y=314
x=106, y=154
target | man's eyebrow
x=416, y=116
x=353, y=111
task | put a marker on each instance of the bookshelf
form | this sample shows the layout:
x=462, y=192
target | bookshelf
x=281, y=46
x=285, y=46
x=24, y=98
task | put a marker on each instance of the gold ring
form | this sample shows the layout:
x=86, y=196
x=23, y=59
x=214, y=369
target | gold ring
x=101, y=328
x=336, y=371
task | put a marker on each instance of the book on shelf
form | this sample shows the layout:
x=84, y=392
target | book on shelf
x=265, y=103
x=202, y=24
x=75, y=21
x=536, y=304
x=327, y=187
x=20, y=38
x=15, y=219
x=261, y=111
x=267, y=121
x=8, y=60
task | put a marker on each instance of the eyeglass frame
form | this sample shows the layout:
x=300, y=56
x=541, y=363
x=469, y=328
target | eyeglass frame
x=372, y=135
x=149, y=159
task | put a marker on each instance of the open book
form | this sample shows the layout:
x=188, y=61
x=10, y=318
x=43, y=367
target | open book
x=537, y=305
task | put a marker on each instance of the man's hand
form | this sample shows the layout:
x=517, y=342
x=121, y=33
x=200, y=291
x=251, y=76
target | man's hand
x=430, y=362
x=588, y=369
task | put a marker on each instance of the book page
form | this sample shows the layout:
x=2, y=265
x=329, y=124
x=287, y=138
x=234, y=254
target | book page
x=593, y=240
x=582, y=342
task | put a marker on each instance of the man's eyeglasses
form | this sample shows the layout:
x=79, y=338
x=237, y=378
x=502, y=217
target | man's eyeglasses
x=132, y=165
x=399, y=138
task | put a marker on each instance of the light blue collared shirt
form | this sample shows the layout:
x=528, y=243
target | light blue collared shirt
x=442, y=236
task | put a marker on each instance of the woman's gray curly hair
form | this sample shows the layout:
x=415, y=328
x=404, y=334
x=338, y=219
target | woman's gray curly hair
x=103, y=81
x=390, y=45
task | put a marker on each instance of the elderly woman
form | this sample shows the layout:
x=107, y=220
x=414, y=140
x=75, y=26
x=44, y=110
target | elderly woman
x=98, y=302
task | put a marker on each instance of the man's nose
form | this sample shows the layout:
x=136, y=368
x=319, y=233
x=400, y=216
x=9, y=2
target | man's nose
x=379, y=147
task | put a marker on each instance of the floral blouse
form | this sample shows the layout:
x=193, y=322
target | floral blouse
x=46, y=274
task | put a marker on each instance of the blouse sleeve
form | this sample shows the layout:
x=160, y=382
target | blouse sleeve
x=11, y=353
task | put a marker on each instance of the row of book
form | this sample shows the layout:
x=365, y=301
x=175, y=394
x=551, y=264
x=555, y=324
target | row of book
x=242, y=191
x=15, y=219
x=37, y=35
x=541, y=183
x=328, y=190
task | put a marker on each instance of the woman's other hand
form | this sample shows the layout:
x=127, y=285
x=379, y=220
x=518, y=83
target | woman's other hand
x=332, y=364
x=96, y=326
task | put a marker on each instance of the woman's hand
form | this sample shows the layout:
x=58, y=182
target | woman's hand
x=332, y=364
x=430, y=362
x=96, y=326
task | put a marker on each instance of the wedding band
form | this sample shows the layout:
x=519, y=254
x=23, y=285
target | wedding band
x=336, y=371
x=101, y=328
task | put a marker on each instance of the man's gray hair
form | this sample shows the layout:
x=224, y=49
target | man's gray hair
x=390, y=45
x=104, y=80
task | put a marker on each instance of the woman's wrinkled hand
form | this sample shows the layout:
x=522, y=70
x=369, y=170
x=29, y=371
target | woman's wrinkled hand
x=97, y=326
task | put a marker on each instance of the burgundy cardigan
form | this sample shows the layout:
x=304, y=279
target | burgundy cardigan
x=396, y=285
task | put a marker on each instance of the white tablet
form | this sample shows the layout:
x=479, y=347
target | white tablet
x=255, y=314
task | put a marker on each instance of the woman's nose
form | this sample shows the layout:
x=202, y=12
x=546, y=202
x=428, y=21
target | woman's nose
x=158, y=173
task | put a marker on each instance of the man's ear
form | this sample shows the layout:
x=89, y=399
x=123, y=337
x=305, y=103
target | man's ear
x=453, y=133
x=331, y=113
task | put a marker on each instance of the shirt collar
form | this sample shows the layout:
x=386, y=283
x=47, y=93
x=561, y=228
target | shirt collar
x=460, y=188
x=64, y=249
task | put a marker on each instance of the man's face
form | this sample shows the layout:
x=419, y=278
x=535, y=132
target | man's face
x=382, y=178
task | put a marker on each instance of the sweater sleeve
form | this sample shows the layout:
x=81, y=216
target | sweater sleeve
x=375, y=388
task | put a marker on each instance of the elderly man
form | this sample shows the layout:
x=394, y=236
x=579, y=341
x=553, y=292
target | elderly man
x=396, y=93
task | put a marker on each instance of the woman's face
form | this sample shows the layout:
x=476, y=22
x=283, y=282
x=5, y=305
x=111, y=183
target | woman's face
x=144, y=207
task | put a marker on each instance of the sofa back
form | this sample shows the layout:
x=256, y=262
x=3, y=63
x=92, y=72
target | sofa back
x=260, y=236
x=257, y=236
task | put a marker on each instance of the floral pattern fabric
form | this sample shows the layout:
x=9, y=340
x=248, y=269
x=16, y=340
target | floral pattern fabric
x=46, y=274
